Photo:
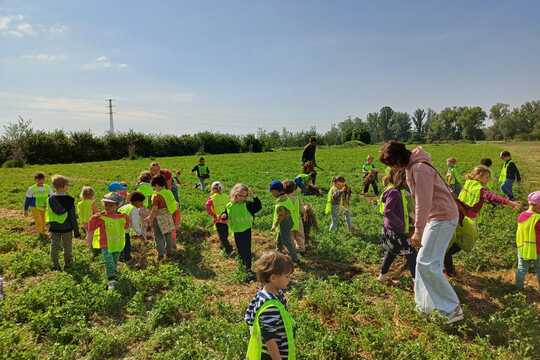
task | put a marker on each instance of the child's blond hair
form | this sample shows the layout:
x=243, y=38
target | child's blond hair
x=478, y=172
x=59, y=181
x=236, y=189
x=87, y=192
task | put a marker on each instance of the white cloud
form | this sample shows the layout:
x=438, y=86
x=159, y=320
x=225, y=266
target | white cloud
x=44, y=57
x=16, y=26
x=103, y=62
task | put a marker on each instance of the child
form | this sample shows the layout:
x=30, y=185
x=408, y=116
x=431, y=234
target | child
x=111, y=225
x=132, y=211
x=508, y=175
x=145, y=188
x=167, y=174
x=36, y=201
x=271, y=326
x=284, y=221
x=161, y=218
x=305, y=180
x=452, y=176
x=395, y=206
x=154, y=168
x=239, y=213
x=289, y=188
x=62, y=220
x=337, y=201
x=86, y=207
x=203, y=173
x=473, y=194
x=215, y=206
x=369, y=172
x=528, y=240
x=487, y=162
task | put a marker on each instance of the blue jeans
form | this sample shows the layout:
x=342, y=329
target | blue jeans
x=432, y=291
x=506, y=188
x=523, y=268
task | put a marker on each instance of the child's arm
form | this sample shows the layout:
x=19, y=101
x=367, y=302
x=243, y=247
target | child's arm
x=94, y=208
x=273, y=349
x=195, y=168
x=493, y=198
x=254, y=206
x=282, y=214
x=29, y=201
x=72, y=215
x=210, y=208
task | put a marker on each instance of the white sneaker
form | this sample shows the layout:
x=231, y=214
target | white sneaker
x=456, y=315
x=111, y=285
x=382, y=277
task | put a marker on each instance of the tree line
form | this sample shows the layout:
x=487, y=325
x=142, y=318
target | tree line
x=20, y=143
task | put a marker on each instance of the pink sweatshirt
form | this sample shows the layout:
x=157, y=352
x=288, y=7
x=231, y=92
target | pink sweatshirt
x=433, y=200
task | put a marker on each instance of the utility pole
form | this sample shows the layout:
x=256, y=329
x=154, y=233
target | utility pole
x=111, y=123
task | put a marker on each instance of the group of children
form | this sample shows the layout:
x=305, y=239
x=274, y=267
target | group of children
x=152, y=210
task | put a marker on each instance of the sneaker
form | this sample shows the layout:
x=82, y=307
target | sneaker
x=456, y=315
x=382, y=277
x=111, y=285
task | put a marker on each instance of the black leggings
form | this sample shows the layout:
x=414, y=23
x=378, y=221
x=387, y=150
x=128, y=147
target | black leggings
x=373, y=185
x=390, y=256
x=125, y=255
x=448, y=258
x=223, y=233
x=243, y=244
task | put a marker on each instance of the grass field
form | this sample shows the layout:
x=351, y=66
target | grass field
x=193, y=308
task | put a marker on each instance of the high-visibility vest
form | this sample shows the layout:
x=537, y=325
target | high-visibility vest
x=167, y=194
x=127, y=210
x=526, y=237
x=147, y=190
x=471, y=192
x=255, y=342
x=404, y=203
x=366, y=167
x=220, y=202
x=453, y=176
x=115, y=231
x=238, y=217
x=84, y=210
x=203, y=169
x=41, y=194
x=51, y=216
x=287, y=203
x=328, y=208
x=504, y=171
x=296, y=213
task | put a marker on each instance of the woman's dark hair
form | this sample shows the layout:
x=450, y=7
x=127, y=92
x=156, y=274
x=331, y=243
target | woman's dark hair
x=395, y=153
x=159, y=180
x=136, y=196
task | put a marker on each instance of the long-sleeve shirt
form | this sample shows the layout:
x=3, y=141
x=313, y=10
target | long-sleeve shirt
x=523, y=217
x=309, y=153
x=485, y=196
x=60, y=204
x=30, y=197
x=512, y=172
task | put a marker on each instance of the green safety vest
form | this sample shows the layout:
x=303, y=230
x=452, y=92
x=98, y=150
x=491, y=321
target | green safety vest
x=328, y=207
x=287, y=203
x=127, y=210
x=387, y=170
x=51, y=216
x=470, y=194
x=220, y=202
x=115, y=229
x=41, y=194
x=453, y=176
x=526, y=237
x=238, y=217
x=405, y=204
x=203, y=169
x=147, y=190
x=305, y=178
x=296, y=213
x=255, y=342
x=84, y=210
x=167, y=194
x=367, y=167
x=502, y=176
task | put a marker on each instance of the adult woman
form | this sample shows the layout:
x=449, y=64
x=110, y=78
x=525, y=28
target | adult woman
x=436, y=217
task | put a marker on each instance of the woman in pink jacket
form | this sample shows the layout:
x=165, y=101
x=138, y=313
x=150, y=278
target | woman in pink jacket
x=436, y=218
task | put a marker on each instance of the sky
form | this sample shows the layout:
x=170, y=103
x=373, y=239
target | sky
x=175, y=67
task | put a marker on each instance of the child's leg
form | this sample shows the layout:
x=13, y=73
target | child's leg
x=39, y=219
x=243, y=244
x=537, y=268
x=506, y=188
x=348, y=219
x=125, y=255
x=168, y=243
x=335, y=218
x=449, y=260
x=366, y=187
x=387, y=261
x=286, y=239
x=56, y=241
x=299, y=237
x=223, y=233
x=160, y=240
x=375, y=187
x=67, y=244
x=110, y=265
x=411, y=262
x=522, y=267
x=201, y=182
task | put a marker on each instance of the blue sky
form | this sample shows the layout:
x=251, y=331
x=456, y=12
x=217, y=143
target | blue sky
x=235, y=66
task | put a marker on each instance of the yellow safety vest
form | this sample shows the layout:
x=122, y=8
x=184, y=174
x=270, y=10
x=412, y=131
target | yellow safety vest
x=41, y=194
x=255, y=342
x=84, y=210
x=504, y=170
x=147, y=191
x=115, y=230
x=526, y=237
x=238, y=217
x=470, y=194
x=220, y=202
x=51, y=216
x=167, y=194
x=287, y=204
